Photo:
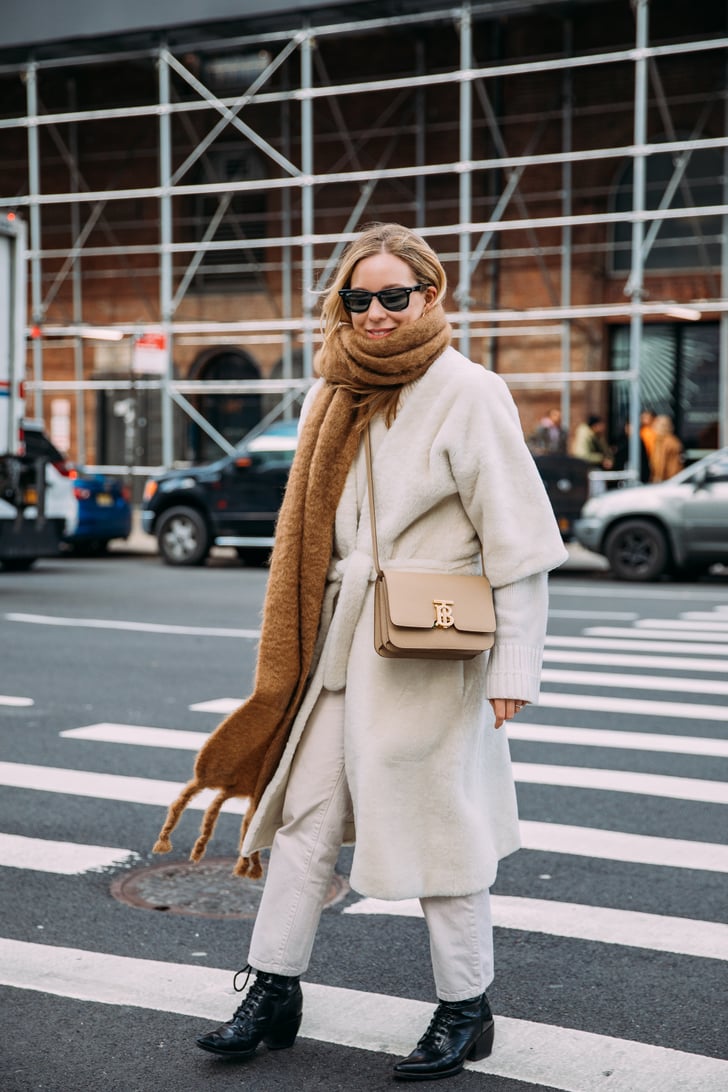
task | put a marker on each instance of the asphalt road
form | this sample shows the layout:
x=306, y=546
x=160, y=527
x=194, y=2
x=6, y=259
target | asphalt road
x=612, y=922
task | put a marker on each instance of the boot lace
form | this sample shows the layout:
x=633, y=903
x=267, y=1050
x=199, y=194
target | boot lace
x=249, y=1004
x=439, y=1026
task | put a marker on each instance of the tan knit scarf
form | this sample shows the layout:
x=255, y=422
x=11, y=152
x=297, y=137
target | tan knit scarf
x=242, y=754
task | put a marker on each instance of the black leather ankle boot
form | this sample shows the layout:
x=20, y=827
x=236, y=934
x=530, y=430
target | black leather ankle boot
x=270, y=1013
x=459, y=1030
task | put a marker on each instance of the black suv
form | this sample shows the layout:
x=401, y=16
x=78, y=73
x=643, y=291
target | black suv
x=231, y=502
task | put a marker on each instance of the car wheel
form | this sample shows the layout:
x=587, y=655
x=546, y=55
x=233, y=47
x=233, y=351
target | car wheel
x=637, y=550
x=183, y=537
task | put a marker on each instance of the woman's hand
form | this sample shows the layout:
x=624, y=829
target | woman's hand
x=505, y=708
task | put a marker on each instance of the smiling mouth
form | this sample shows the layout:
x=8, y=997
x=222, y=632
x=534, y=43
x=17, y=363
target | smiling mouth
x=379, y=333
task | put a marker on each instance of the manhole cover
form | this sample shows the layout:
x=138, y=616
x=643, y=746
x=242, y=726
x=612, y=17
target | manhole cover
x=208, y=889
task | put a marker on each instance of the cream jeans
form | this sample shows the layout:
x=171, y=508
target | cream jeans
x=302, y=862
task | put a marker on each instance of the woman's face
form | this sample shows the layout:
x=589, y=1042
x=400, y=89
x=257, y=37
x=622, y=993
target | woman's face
x=387, y=271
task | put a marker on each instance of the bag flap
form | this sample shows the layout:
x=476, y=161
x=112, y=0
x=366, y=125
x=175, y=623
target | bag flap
x=466, y=598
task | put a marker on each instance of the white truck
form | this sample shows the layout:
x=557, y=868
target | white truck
x=37, y=504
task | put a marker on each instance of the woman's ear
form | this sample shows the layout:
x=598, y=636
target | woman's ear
x=430, y=296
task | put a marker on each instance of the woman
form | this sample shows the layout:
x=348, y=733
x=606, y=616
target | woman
x=666, y=459
x=337, y=745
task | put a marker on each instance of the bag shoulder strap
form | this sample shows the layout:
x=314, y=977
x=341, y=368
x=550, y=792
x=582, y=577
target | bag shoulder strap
x=370, y=490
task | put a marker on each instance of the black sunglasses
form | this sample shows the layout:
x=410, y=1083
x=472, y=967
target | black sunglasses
x=357, y=300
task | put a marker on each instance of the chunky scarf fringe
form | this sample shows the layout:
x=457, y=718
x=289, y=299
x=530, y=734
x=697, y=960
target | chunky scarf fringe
x=241, y=755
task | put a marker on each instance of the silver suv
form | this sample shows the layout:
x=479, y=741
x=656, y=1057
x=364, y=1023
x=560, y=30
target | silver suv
x=678, y=526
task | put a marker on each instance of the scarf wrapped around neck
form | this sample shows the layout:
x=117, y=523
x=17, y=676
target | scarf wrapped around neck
x=363, y=377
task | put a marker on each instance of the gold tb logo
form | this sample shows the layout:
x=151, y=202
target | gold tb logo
x=444, y=618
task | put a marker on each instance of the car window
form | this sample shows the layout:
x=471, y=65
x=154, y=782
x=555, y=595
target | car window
x=278, y=459
x=38, y=446
x=717, y=471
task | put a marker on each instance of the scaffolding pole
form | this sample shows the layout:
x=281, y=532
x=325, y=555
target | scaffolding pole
x=165, y=278
x=723, y=329
x=307, y=213
x=566, y=232
x=635, y=284
x=465, y=181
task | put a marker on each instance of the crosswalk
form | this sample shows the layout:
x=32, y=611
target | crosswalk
x=588, y=679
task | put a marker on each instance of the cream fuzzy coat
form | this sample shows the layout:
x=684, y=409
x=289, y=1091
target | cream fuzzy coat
x=430, y=780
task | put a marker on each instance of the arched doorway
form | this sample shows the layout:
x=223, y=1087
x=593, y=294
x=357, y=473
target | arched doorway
x=233, y=415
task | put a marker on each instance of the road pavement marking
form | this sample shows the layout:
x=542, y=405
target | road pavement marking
x=637, y=647
x=62, y=858
x=129, y=790
x=556, y=700
x=635, y=682
x=618, y=845
x=133, y=627
x=633, y=707
x=544, y=1055
x=666, y=633
x=641, y=784
x=706, y=615
x=655, y=932
x=554, y=838
x=670, y=592
x=659, y=623
x=9, y=699
x=624, y=739
x=614, y=615
x=644, y=784
x=223, y=706
x=634, y=659
x=138, y=735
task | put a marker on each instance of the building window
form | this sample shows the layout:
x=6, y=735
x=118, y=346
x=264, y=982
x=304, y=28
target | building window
x=679, y=375
x=688, y=243
x=241, y=218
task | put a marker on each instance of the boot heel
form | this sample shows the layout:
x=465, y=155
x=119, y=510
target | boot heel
x=283, y=1035
x=483, y=1045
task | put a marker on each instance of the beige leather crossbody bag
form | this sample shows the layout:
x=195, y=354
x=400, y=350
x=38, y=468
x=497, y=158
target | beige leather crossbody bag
x=433, y=616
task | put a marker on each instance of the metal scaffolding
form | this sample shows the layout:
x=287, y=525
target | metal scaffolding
x=492, y=220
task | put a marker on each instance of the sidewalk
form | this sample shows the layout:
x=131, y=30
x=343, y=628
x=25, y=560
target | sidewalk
x=138, y=542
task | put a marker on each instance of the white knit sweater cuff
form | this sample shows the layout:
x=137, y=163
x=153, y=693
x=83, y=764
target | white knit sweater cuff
x=521, y=611
x=514, y=671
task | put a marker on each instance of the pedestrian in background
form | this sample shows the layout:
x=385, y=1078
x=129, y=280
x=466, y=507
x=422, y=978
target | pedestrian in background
x=647, y=430
x=667, y=451
x=338, y=745
x=549, y=438
x=590, y=442
x=621, y=454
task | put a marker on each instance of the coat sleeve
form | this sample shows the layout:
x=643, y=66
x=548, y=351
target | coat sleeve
x=514, y=665
x=497, y=480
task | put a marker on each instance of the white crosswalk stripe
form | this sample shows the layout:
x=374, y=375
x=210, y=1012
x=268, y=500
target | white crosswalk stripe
x=633, y=707
x=545, y=1055
x=63, y=858
x=548, y=837
x=9, y=699
x=683, y=936
x=139, y=735
x=542, y=1054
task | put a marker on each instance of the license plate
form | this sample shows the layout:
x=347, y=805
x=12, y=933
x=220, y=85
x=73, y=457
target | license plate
x=104, y=500
x=31, y=496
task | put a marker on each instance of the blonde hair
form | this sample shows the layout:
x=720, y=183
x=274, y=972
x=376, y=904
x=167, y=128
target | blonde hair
x=377, y=239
